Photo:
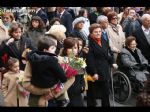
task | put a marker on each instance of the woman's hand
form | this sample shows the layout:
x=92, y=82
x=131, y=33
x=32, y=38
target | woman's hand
x=85, y=50
x=115, y=66
x=49, y=96
x=116, y=50
x=95, y=77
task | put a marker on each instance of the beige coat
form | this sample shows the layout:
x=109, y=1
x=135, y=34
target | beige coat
x=9, y=90
x=116, y=40
x=3, y=32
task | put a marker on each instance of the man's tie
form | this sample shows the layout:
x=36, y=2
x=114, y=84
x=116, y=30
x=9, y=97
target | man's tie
x=105, y=36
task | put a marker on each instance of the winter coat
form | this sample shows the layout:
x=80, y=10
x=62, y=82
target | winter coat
x=99, y=59
x=46, y=71
x=116, y=40
x=76, y=90
x=130, y=25
x=9, y=89
x=128, y=60
x=77, y=87
x=35, y=35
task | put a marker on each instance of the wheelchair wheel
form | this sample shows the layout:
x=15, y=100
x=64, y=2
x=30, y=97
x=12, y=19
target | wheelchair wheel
x=122, y=87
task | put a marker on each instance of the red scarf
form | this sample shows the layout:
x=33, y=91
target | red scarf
x=97, y=40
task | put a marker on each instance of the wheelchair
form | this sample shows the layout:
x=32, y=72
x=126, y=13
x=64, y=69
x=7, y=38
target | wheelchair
x=125, y=84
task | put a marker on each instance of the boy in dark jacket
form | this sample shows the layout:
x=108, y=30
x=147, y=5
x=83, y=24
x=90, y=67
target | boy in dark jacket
x=46, y=71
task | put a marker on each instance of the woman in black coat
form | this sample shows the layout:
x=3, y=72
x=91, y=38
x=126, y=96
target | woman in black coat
x=99, y=61
x=15, y=46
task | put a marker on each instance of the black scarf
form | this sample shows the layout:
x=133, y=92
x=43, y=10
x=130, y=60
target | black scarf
x=135, y=55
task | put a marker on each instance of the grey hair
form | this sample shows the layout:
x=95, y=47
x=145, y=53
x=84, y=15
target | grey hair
x=145, y=16
x=101, y=18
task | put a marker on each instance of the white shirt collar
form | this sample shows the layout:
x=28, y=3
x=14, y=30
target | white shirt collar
x=104, y=30
x=38, y=10
x=144, y=29
x=62, y=12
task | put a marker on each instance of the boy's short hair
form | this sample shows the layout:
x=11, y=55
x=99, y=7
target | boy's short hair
x=45, y=43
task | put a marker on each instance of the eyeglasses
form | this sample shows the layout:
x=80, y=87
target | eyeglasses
x=114, y=17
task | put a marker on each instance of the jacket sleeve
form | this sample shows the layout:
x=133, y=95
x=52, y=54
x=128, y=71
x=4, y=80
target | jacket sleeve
x=143, y=59
x=111, y=58
x=69, y=21
x=90, y=61
x=125, y=59
x=30, y=44
x=57, y=70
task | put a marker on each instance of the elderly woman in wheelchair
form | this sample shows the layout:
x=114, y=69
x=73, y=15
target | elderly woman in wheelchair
x=132, y=72
x=132, y=58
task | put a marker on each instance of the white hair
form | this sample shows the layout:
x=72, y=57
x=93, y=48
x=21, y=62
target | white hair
x=101, y=18
x=145, y=16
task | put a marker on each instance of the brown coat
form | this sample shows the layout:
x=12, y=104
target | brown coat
x=9, y=89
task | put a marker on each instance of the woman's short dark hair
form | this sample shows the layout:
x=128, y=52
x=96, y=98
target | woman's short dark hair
x=77, y=41
x=54, y=20
x=69, y=42
x=14, y=27
x=41, y=23
x=94, y=26
x=110, y=15
x=129, y=40
x=45, y=43
x=106, y=10
x=81, y=12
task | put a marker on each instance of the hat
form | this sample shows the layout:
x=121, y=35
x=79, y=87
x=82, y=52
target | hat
x=57, y=28
x=58, y=31
x=77, y=20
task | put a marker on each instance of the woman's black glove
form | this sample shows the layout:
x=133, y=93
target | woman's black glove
x=143, y=67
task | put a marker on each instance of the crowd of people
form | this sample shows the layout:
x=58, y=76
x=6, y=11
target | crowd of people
x=38, y=44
